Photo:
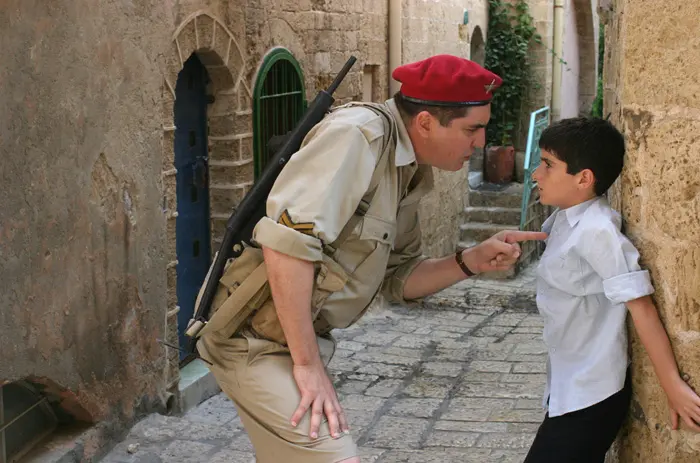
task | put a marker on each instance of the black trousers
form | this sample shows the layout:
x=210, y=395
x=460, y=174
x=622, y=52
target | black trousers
x=583, y=436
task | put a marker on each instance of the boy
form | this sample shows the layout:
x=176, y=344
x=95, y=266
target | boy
x=587, y=275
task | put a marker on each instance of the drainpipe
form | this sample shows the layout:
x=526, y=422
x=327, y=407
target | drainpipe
x=557, y=47
x=395, y=41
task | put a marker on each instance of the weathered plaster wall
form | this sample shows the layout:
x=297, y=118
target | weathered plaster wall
x=586, y=70
x=579, y=52
x=570, y=71
x=537, y=96
x=81, y=230
x=659, y=195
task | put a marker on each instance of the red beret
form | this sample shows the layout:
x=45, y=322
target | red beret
x=446, y=80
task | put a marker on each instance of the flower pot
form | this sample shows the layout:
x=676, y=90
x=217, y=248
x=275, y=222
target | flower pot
x=499, y=163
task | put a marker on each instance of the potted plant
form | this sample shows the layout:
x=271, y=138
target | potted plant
x=510, y=33
x=499, y=159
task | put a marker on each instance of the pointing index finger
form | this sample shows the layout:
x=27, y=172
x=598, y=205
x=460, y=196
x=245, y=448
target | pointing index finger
x=517, y=236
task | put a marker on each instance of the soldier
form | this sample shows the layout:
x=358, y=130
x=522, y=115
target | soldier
x=341, y=224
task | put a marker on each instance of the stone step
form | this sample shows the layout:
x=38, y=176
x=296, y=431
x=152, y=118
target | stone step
x=508, y=197
x=495, y=215
x=475, y=179
x=479, y=232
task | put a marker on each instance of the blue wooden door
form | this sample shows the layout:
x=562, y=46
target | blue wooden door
x=192, y=223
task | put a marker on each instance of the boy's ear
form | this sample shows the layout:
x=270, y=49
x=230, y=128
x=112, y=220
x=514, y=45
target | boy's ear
x=586, y=179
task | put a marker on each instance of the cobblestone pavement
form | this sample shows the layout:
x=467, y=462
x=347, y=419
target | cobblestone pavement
x=457, y=379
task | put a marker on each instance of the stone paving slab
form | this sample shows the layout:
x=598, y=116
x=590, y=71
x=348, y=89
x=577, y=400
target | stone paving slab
x=458, y=378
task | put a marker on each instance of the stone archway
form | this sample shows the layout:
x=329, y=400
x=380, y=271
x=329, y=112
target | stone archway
x=230, y=141
x=477, y=46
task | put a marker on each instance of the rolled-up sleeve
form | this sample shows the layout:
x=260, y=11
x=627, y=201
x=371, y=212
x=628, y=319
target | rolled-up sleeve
x=318, y=190
x=405, y=256
x=615, y=259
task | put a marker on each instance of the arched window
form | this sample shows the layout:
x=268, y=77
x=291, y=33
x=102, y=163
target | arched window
x=279, y=101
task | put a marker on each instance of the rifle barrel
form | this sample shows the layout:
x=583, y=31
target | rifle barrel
x=341, y=75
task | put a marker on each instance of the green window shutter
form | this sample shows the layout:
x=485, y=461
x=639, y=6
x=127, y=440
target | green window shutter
x=279, y=101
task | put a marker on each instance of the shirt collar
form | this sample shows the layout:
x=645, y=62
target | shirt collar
x=405, y=154
x=574, y=213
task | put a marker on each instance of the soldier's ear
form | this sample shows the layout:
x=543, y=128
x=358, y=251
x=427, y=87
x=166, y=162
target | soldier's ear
x=424, y=123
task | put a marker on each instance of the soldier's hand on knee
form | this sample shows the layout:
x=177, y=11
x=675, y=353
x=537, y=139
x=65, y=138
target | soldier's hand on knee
x=318, y=395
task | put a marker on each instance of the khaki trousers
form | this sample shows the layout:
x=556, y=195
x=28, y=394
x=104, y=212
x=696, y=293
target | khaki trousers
x=256, y=374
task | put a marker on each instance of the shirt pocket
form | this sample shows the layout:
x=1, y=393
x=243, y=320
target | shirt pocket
x=378, y=229
x=563, y=270
x=569, y=263
x=571, y=274
x=373, y=234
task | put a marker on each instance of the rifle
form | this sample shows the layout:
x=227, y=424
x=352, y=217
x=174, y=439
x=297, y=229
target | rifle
x=240, y=225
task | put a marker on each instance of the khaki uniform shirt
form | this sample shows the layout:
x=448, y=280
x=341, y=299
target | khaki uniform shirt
x=319, y=190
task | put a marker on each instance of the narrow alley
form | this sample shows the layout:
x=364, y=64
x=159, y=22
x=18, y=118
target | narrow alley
x=456, y=379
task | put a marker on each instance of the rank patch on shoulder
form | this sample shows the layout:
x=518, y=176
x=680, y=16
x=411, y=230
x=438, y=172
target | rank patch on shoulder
x=306, y=228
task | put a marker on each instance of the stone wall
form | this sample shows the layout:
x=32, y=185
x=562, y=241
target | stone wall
x=580, y=52
x=233, y=40
x=82, y=234
x=216, y=35
x=87, y=227
x=586, y=27
x=430, y=28
x=321, y=35
x=571, y=70
x=659, y=196
x=541, y=58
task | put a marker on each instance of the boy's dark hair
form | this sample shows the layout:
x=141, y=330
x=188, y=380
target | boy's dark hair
x=444, y=114
x=587, y=143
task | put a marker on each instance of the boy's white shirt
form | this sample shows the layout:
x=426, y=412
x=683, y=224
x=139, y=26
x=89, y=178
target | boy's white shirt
x=588, y=271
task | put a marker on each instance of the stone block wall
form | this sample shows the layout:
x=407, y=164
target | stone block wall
x=87, y=230
x=221, y=51
x=659, y=197
x=430, y=28
x=322, y=35
x=232, y=41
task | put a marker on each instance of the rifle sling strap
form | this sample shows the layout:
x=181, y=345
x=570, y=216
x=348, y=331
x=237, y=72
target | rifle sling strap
x=379, y=170
x=236, y=306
